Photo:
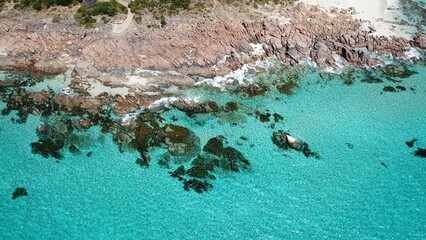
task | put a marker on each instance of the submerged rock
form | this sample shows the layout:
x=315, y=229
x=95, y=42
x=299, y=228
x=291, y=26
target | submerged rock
x=203, y=167
x=389, y=89
x=401, y=88
x=197, y=185
x=277, y=117
x=191, y=107
x=410, y=144
x=47, y=147
x=253, y=90
x=288, y=87
x=231, y=107
x=142, y=162
x=420, y=152
x=399, y=71
x=236, y=159
x=179, y=172
x=214, y=146
x=181, y=141
x=218, y=160
x=19, y=192
x=371, y=79
x=74, y=150
x=229, y=157
x=263, y=117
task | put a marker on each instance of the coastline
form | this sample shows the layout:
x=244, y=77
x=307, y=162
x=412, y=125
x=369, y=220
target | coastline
x=134, y=58
x=277, y=122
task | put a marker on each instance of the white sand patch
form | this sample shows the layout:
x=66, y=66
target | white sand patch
x=379, y=14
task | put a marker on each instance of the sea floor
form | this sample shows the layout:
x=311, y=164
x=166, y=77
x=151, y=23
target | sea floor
x=367, y=184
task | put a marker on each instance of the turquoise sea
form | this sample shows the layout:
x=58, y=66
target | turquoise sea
x=367, y=184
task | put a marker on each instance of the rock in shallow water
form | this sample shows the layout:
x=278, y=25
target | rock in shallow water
x=410, y=144
x=197, y=185
x=284, y=140
x=218, y=160
x=19, y=192
x=214, y=146
x=420, y=152
x=47, y=147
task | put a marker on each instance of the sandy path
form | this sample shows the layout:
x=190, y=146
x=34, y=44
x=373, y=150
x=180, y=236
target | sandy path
x=376, y=12
x=119, y=28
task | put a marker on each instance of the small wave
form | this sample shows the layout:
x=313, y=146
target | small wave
x=164, y=102
x=414, y=54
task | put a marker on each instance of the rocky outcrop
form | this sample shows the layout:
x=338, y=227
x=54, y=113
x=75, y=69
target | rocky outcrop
x=208, y=48
x=420, y=41
x=192, y=107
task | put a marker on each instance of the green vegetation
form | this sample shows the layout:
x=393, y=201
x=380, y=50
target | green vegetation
x=1, y=4
x=170, y=6
x=86, y=13
x=158, y=8
x=161, y=8
x=40, y=4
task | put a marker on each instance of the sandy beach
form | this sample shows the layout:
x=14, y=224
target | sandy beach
x=381, y=15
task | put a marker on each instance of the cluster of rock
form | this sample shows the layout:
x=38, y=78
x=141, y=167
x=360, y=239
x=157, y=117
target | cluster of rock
x=420, y=152
x=214, y=159
x=149, y=131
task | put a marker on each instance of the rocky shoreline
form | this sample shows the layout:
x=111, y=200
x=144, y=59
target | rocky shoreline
x=206, y=46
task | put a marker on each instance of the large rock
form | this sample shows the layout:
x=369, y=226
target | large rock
x=420, y=40
x=192, y=107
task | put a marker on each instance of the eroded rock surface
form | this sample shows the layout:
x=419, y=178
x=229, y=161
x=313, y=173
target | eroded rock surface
x=204, y=46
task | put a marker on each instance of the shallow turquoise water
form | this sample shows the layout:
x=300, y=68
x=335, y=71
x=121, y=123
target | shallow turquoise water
x=346, y=194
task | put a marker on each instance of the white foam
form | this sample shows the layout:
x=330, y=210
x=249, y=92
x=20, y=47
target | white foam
x=127, y=119
x=68, y=91
x=414, y=54
x=148, y=72
x=393, y=3
x=220, y=82
x=240, y=76
x=164, y=102
x=309, y=62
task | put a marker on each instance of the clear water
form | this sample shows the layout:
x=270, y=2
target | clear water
x=347, y=194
